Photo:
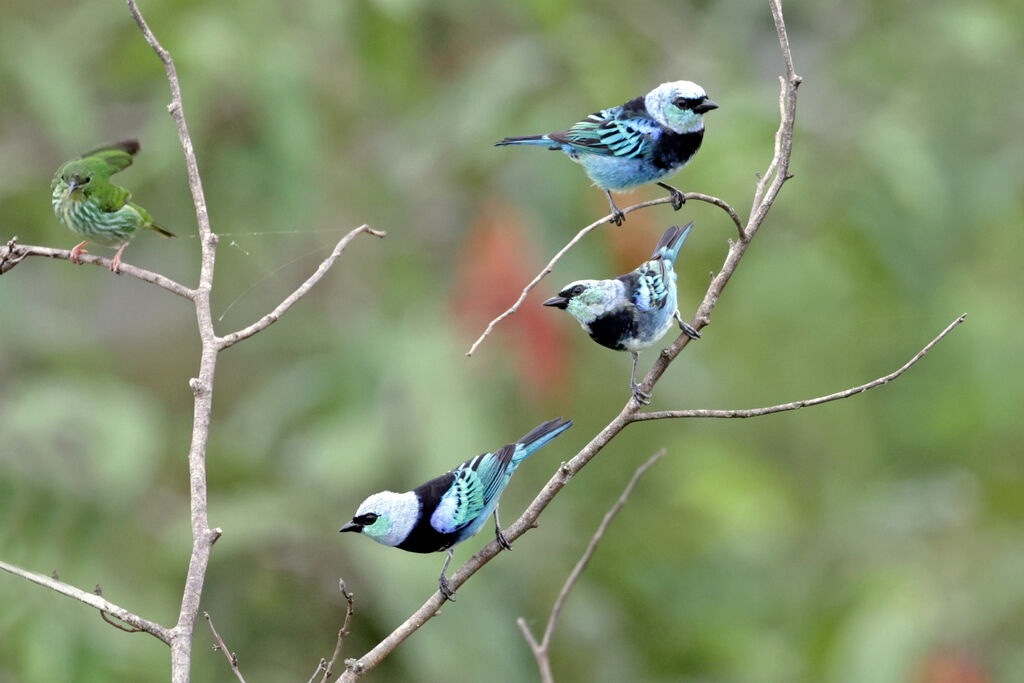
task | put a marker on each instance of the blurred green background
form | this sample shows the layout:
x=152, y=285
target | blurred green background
x=878, y=539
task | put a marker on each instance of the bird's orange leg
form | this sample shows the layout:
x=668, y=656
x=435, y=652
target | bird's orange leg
x=77, y=251
x=115, y=263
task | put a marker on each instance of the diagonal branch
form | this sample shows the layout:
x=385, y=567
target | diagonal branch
x=93, y=600
x=541, y=649
x=12, y=253
x=303, y=289
x=580, y=235
x=783, y=407
x=780, y=163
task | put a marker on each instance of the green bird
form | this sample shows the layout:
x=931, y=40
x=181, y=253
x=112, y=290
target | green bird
x=87, y=202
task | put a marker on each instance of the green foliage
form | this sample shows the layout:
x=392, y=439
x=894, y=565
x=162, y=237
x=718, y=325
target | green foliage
x=873, y=539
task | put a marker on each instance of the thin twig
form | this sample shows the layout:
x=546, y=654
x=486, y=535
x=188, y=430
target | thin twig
x=580, y=235
x=783, y=407
x=541, y=649
x=93, y=600
x=322, y=666
x=222, y=646
x=126, y=629
x=195, y=182
x=103, y=615
x=328, y=667
x=12, y=253
x=303, y=289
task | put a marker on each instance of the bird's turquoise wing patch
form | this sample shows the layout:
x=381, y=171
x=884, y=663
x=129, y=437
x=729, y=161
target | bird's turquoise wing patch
x=609, y=134
x=476, y=484
x=460, y=504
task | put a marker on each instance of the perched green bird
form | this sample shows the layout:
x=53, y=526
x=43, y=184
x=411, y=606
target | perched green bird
x=87, y=202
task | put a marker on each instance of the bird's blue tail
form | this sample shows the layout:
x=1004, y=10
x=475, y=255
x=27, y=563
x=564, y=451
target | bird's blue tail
x=538, y=437
x=671, y=242
x=540, y=140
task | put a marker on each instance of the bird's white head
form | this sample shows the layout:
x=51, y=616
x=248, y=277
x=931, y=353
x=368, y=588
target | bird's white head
x=386, y=517
x=679, y=106
x=586, y=300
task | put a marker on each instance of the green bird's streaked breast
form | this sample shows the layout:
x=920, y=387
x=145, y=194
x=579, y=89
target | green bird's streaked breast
x=87, y=217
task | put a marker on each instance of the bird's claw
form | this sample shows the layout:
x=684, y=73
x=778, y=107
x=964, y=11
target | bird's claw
x=677, y=199
x=447, y=592
x=687, y=329
x=642, y=397
x=618, y=217
x=502, y=541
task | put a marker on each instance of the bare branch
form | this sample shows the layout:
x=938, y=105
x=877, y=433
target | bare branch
x=203, y=537
x=580, y=235
x=222, y=646
x=328, y=667
x=541, y=649
x=195, y=183
x=93, y=600
x=13, y=253
x=783, y=407
x=282, y=308
x=322, y=666
x=356, y=668
x=720, y=203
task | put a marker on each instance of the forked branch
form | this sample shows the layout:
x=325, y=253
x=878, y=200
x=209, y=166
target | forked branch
x=93, y=600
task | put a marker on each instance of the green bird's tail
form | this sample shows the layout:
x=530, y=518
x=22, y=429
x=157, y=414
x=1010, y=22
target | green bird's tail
x=165, y=233
x=148, y=222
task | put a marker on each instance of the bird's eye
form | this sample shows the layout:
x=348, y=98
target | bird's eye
x=86, y=181
x=577, y=290
x=686, y=102
x=367, y=519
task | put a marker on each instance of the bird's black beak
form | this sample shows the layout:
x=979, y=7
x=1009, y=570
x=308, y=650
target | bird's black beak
x=705, y=105
x=351, y=526
x=557, y=302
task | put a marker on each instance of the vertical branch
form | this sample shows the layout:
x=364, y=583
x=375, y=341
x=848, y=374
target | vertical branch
x=203, y=537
